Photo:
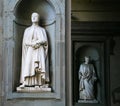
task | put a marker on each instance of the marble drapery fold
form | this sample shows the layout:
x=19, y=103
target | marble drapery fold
x=87, y=77
x=30, y=56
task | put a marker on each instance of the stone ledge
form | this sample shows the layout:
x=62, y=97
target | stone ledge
x=87, y=101
x=32, y=89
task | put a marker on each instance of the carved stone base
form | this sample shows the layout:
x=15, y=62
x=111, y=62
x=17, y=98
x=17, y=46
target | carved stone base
x=33, y=89
x=88, y=101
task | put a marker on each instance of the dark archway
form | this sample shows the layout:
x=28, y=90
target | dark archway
x=80, y=53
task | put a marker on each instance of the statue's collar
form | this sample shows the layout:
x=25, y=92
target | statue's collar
x=34, y=26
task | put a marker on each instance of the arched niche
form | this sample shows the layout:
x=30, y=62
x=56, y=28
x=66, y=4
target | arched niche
x=22, y=20
x=93, y=53
x=25, y=8
x=51, y=18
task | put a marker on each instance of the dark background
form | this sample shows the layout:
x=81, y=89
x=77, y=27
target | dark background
x=91, y=20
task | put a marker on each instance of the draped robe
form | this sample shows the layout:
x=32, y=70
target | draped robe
x=86, y=85
x=34, y=35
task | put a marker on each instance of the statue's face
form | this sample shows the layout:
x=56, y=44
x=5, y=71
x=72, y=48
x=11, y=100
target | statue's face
x=87, y=59
x=35, y=18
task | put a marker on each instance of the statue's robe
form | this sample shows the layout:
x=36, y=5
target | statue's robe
x=34, y=35
x=87, y=77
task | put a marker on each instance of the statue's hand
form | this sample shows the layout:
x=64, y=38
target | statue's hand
x=32, y=43
x=38, y=70
x=36, y=46
x=43, y=76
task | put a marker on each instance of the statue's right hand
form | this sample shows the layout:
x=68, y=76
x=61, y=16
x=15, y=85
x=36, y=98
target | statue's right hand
x=36, y=46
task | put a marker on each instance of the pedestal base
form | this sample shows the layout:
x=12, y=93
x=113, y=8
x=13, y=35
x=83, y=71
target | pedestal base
x=88, y=101
x=33, y=89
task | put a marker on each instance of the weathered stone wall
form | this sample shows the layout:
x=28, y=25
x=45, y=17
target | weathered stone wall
x=1, y=39
x=115, y=70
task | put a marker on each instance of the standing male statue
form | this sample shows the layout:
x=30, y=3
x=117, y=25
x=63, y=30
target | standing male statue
x=87, y=78
x=34, y=55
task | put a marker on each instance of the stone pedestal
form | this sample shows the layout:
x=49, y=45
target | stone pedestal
x=33, y=89
x=88, y=101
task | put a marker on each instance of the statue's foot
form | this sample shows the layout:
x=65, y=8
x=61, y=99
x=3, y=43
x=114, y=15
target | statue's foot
x=37, y=87
x=44, y=86
x=22, y=86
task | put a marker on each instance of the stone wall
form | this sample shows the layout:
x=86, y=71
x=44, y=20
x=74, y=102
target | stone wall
x=1, y=33
x=115, y=69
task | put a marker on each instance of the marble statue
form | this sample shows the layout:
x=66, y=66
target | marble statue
x=34, y=56
x=87, y=77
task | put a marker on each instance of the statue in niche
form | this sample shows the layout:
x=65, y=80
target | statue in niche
x=87, y=77
x=34, y=73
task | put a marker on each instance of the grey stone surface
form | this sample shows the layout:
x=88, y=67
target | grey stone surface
x=1, y=33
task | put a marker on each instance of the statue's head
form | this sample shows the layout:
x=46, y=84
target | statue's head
x=87, y=59
x=35, y=17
